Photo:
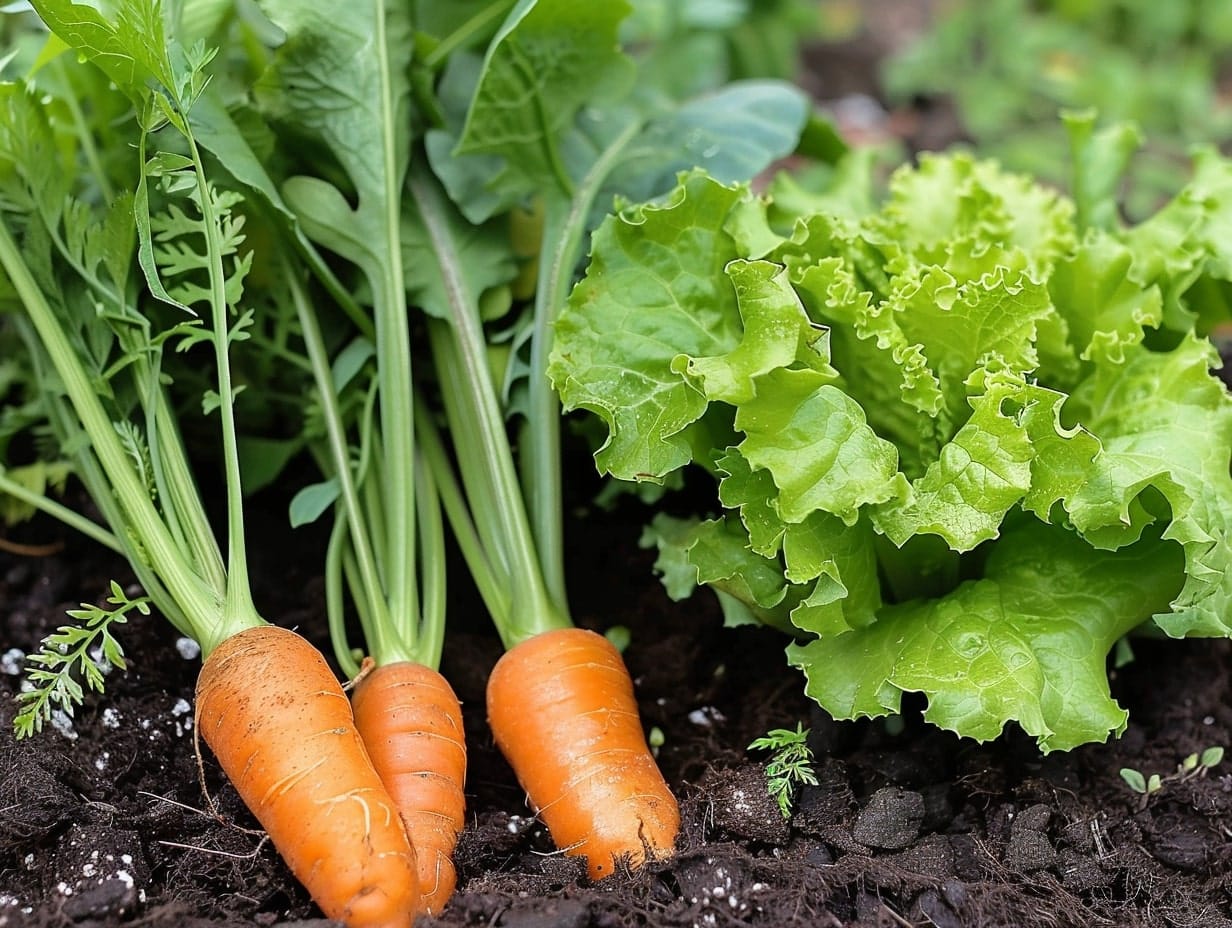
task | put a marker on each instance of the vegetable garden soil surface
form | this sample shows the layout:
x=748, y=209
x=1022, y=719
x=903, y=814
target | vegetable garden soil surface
x=103, y=821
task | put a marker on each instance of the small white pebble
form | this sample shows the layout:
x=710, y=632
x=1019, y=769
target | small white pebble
x=707, y=716
x=111, y=718
x=124, y=876
x=99, y=660
x=88, y=869
x=187, y=648
x=181, y=707
x=28, y=860
x=11, y=660
x=63, y=724
x=127, y=860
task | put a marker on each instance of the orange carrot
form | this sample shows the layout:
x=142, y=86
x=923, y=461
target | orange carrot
x=275, y=717
x=411, y=723
x=562, y=711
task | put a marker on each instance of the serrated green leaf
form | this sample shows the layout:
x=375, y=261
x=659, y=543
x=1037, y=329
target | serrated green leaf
x=965, y=494
x=1027, y=643
x=655, y=291
x=1165, y=423
x=814, y=440
x=776, y=334
x=128, y=42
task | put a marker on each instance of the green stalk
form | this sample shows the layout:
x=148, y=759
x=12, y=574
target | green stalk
x=478, y=428
x=239, y=610
x=394, y=374
x=493, y=593
x=335, y=609
x=85, y=463
x=564, y=231
x=182, y=510
x=464, y=33
x=432, y=568
x=200, y=602
x=385, y=647
x=69, y=517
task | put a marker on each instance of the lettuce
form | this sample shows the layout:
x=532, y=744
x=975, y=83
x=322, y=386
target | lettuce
x=964, y=440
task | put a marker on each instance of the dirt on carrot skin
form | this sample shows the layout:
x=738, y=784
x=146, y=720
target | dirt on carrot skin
x=103, y=821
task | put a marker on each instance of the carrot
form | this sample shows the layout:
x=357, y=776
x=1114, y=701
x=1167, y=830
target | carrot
x=411, y=723
x=562, y=710
x=275, y=717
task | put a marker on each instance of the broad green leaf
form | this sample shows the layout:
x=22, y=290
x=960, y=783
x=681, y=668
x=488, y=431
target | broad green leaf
x=483, y=251
x=1027, y=643
x=655, y=291
x=1165, y=426
x=310, y=503
x=672, y=538
x=1105, y=310
x=951, y=198
x=1061, y=455
x=964, y=495
x=1099, y=160
x=816, y=444
x=128, y=42
x=777, y=334
x=339, y=80
x=733, y=133
x=719, y=550
x=548, y=59
x=841, y=563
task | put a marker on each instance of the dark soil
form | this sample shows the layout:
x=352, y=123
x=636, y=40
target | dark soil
x=103, y=818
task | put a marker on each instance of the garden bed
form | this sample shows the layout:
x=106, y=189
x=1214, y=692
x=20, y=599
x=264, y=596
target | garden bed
x=102, y=823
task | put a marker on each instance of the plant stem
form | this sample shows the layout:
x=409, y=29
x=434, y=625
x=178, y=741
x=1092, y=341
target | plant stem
x=491, y=480
x=200, y=602
x=563, y=231
x=61, y=512
x=240, y=608
x=465, y=32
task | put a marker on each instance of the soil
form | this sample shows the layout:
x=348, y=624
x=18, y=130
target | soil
x=104, y=819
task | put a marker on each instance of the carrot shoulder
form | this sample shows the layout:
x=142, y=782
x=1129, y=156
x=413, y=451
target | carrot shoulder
x=277, y=720
x=411, y=723
x=562, y=710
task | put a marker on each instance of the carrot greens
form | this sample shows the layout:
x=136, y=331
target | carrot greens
x=369, y=215
x=94, y=332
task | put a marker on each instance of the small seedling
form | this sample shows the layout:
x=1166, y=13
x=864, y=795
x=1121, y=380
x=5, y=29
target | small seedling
x=1145, y=787
x=66, y=655
x=790, y=764
x=1195, y=765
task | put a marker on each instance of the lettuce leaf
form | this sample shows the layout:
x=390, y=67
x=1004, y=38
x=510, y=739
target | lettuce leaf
x=971, y=362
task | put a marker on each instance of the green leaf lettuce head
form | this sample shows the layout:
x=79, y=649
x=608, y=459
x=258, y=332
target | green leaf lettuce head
x=963, y=441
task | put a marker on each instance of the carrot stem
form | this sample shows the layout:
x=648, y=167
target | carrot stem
x=476, y=424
